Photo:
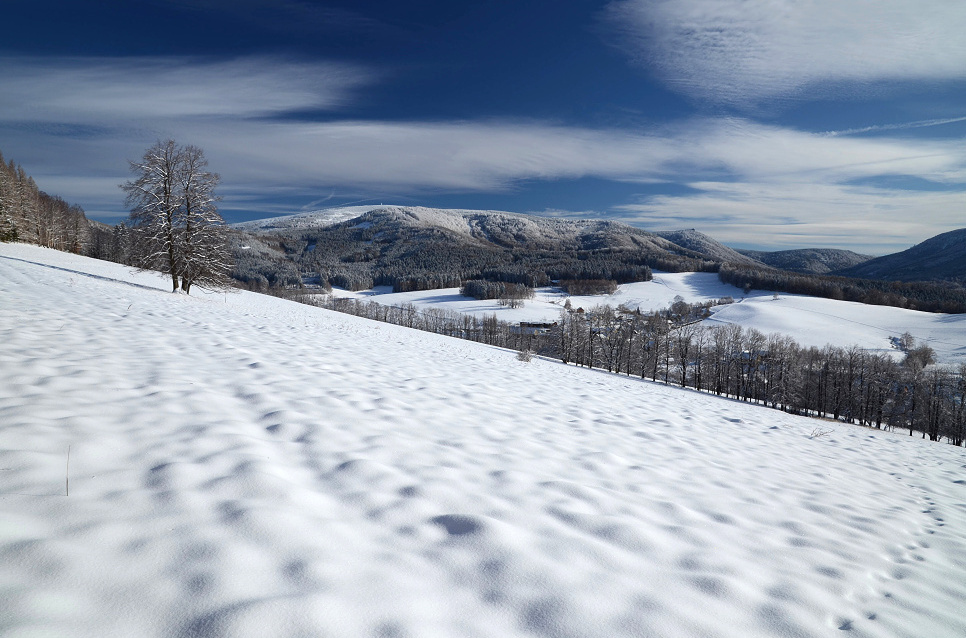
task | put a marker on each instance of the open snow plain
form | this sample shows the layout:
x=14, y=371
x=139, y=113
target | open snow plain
x=809, y=320
x=243, y=466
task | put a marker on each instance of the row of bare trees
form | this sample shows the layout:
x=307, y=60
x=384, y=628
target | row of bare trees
x=847, y=384
x=672, y=346
x=30, y=215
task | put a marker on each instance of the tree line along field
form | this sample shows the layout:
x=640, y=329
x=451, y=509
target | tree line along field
x=848, y=385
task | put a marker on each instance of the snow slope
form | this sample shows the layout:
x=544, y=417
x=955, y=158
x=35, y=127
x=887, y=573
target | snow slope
x=245, y=466
x=816, y=322
x=809, y=320
x=311, y=219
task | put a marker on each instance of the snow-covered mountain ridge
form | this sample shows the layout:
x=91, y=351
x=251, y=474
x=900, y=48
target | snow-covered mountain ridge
x=939, y=258
x=502, y=228
x=310, y=219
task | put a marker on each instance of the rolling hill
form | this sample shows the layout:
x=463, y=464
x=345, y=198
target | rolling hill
x=816, y=261
x=941, y=258
x=419, y=248
x=710, y=248
x=241, y=465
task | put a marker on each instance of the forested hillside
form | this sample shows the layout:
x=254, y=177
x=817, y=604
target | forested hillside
x=941, y=258
x=915, y=295
x=711, y=248
x=815, y=261
x=421, y=248
x=30, y=215
x=415, y=248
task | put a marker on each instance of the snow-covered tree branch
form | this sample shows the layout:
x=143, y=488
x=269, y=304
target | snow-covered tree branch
x=176, y=223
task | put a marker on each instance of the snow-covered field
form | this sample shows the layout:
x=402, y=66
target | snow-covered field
x=809, y=320
x=245, y=466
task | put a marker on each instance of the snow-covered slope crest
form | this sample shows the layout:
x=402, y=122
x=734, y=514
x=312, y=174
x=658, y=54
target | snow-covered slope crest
x=245, y=466
x=518, y=230
x=311, y=219
x=699, y=242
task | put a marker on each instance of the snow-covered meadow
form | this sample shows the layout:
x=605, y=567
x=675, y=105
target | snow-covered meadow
x=241, y=465
x=811, y=321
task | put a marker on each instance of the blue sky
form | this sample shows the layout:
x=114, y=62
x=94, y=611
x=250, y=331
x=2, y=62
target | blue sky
x=765, y=124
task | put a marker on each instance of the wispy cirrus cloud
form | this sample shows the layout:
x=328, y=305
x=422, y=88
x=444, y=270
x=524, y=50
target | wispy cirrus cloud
x=113, y=91
x=75, y=123
x=898, y=126
x=741, y=51
x=494, y=155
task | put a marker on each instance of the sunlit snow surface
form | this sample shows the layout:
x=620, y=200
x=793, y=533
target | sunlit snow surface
x=809, y=320
x=312, y=219
x=245, y=466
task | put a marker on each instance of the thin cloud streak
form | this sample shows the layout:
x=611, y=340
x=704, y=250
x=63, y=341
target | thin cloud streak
x=739, y=52
x=896, y=127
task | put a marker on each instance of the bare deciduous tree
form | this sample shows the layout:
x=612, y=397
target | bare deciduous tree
x=178, y=229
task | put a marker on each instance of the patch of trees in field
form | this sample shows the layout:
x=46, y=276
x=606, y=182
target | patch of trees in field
x=924, y=296
x=670, y=346
x=30, y=215
x=582, y=287
x=508, y=294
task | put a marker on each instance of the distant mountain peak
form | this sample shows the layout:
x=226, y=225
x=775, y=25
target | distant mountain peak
x=310, y=219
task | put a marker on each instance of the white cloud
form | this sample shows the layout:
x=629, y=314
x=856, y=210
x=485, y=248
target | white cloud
x=900, y=126
x=780, y=154
x=738, y=51
x=493, y=155
x=781, y=216
x=105, y=91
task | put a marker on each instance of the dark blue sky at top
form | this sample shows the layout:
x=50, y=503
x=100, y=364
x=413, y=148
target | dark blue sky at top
x=601, y=69
x=441, y=59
